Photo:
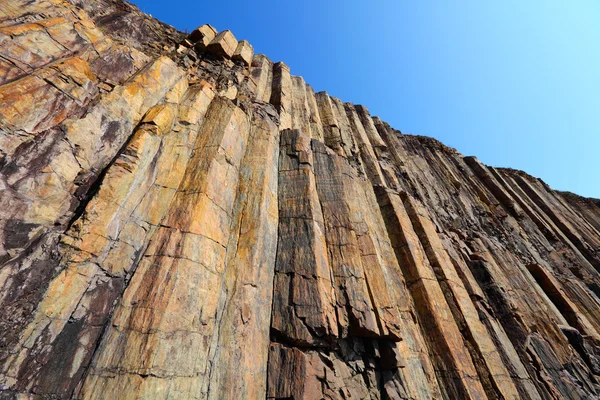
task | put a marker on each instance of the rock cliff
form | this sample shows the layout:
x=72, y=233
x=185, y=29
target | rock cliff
x=183, y=219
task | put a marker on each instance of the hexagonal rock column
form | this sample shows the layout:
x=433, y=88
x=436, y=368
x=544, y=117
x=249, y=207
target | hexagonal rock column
x=199, y=38
x=202, y=36
x=244, y=52
x=224, y=44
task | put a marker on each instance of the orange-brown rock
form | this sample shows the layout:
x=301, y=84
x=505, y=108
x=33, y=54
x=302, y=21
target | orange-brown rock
x=181, y=218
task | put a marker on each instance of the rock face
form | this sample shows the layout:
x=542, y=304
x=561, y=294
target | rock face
x=181, y=218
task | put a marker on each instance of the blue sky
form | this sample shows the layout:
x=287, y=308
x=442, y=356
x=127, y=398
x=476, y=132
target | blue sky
x=516, y=83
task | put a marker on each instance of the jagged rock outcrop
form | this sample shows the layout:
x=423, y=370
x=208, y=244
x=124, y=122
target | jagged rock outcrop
x=181, y=218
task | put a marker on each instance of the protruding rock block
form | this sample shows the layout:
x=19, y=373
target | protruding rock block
x=223, y=45
x=243, y=52
x=261, y=73
x=201, y=37
x=281, y=94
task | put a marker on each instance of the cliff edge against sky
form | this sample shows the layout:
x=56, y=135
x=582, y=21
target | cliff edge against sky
x=183, y=219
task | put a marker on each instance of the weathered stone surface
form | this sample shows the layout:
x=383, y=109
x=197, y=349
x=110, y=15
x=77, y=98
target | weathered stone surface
x=224, y=44
x=304, y=297
x=111, y=232
x=198, y=223
x=261, y=73
x=299, y=106
x=243, y=52
x=337, y=131
x=184, y=262
x=367, y=154
x=201, y=37
x=348, y=141
x=316, y=126
x=282, y=94
x=248, y=288
x=452, y=363
x=499, y=192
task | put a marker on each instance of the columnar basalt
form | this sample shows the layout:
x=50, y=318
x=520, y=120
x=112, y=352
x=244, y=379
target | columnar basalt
x=182, y=218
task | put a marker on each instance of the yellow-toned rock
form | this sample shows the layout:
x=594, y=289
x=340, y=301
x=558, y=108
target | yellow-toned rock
x=224, y=44
x=202, y=36
x=243, y=52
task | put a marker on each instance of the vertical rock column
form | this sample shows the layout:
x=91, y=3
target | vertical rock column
x=354, y=308
x=514, y=316
x=305, y=112
x=370, y=128
x=47, y=179
x=452, y=361
x=240, y=351
x=578, y=277
x=377, y=349
x=493, y=185
x=397, y=157
x=304, y=298
x=331, y=129
x=348, y=141
x=588, y=208
x=169, y=308
x=565, y=306
x=261, y=75
x=367, y=153
x=300, y=110
x=498, y=363
x=488, y=362
x=316, y=125
x=102, y=247
x=354, y=225
x=544, y=202
x=281, y=94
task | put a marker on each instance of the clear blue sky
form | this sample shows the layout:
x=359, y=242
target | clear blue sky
x=516, y=83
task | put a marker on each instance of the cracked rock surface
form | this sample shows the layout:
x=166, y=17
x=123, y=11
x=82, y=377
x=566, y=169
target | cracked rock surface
x=181, y=218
